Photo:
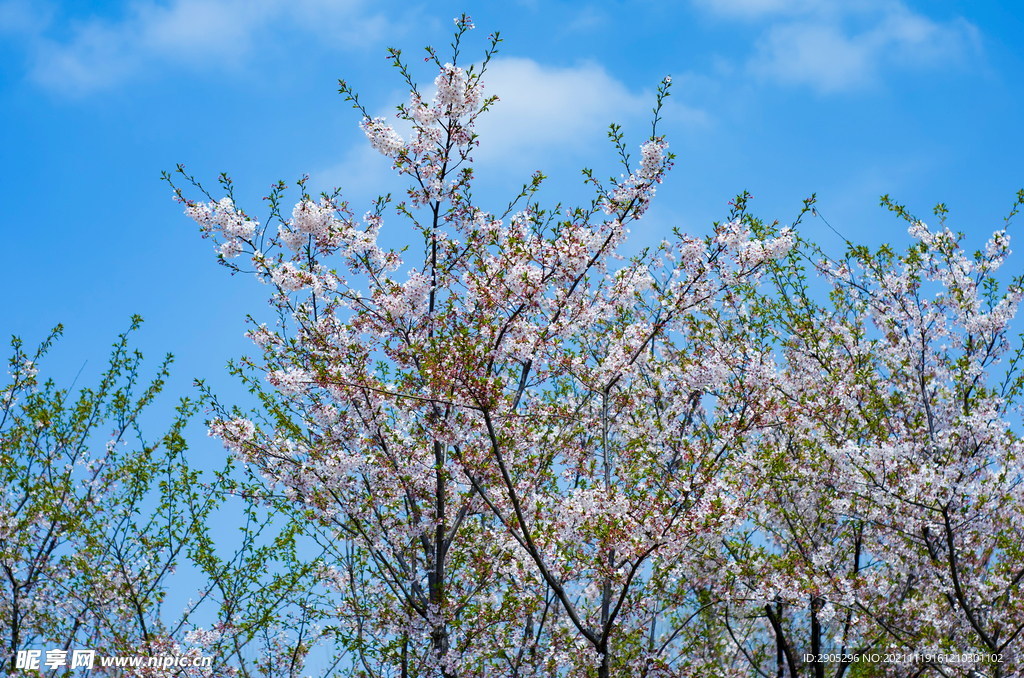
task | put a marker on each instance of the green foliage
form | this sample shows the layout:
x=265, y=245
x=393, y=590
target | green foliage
x=95, y=518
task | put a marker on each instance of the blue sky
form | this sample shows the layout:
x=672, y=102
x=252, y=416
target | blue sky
x=851, y=100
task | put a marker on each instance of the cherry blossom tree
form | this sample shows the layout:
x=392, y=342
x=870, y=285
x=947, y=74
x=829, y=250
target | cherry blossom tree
x=524, y=454
x=889, y=520
x=504, y=444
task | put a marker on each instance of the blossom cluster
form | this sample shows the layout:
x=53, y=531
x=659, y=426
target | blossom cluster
x=222, y=219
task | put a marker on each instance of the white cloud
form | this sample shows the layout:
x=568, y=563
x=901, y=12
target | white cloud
x=362, y=175
x=817, y=55
x=100, y=52
x=545, y=110
x=833, y=46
